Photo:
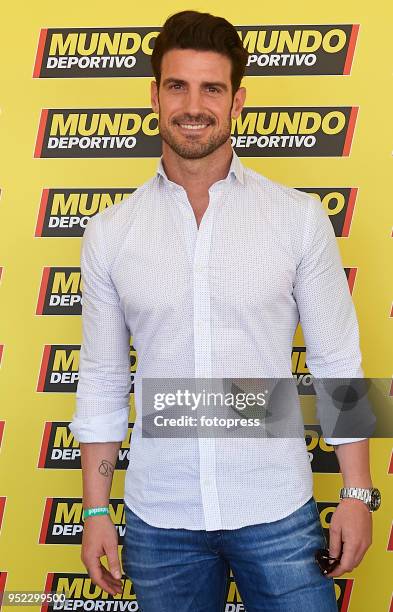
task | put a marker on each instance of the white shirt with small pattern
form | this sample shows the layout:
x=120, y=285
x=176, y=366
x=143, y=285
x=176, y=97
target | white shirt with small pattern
x=221, y=300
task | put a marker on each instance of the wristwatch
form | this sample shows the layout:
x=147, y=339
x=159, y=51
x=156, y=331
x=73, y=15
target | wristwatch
x=371, y=496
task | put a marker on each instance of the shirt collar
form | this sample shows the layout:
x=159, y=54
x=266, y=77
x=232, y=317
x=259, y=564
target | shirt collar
x=236, y=169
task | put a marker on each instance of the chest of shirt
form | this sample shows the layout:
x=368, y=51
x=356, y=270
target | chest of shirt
x=238, y=259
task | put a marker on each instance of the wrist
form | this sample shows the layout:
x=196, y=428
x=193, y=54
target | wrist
x=93, y=511
x=370, y=496
x=95, y=503
x=353, y=500
x=363, y=480
x=363, y=483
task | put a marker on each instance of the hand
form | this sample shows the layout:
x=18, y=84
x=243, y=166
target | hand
x=99, y=539
x=351, y=528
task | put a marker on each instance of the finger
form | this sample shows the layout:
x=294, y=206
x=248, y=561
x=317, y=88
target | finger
x=338, y=571
x=335, y=542
x=347, y=562
x=93, y=564
x=116, y=583
x=101, y=577
x=112, y=554
x=105, y=585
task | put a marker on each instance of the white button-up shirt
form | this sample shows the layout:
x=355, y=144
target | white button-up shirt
x=221, y=300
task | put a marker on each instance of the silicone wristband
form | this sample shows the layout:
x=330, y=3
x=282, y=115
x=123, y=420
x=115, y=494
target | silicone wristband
x=95, y=511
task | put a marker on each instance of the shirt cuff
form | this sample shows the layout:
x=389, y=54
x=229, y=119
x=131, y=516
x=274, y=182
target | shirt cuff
x=336, y=441
x=109, y=427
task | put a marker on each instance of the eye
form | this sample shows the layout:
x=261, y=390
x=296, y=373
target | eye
x=212, y=89
x=175, y=86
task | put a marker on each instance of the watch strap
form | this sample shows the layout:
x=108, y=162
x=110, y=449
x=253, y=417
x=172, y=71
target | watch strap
x=364, y=494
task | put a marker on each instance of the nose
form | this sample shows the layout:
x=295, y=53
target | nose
x=193, y=102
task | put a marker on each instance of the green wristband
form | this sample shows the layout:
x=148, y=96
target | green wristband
x=95, y=511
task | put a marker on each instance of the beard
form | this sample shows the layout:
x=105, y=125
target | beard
x=191, y=147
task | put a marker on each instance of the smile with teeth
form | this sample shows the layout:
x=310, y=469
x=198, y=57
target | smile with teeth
x=193, y=126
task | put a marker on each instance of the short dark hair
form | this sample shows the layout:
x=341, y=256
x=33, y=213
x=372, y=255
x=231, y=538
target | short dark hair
x=202, y=32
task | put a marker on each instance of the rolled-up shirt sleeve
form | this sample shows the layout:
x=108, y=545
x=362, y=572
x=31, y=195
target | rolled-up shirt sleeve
x=326, y=310
x=103, y=391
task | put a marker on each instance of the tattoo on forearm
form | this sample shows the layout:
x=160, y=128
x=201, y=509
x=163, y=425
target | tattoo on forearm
x=106, y=468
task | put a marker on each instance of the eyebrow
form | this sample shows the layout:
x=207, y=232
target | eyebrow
x=223, y=86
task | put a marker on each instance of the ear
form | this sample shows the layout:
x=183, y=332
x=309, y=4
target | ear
x=238, y=102
x=154, y=96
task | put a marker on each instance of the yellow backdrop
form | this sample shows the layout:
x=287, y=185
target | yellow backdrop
x=320, y=75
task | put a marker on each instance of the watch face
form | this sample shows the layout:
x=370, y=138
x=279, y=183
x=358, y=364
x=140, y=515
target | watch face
x=375, y=500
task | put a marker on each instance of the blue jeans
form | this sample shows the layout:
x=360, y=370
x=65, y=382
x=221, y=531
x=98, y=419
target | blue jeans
x=181, y=570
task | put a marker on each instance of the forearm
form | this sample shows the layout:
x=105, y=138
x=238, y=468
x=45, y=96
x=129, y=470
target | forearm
x=354, y=462
x=98, y=461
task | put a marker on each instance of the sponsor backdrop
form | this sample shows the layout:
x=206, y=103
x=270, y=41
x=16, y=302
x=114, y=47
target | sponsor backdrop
x=78, y=136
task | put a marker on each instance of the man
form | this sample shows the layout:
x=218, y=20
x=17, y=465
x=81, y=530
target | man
x=209, y=266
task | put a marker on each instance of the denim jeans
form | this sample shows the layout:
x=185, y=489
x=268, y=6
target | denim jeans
x=181, y=570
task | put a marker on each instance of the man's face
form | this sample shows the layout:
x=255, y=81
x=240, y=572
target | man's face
x=195, y=102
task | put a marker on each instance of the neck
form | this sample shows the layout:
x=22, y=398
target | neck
x=197, y=175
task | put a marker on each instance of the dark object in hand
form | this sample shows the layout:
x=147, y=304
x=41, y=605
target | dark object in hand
x=325, y=562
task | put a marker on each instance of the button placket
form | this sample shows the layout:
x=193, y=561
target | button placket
x=184, y=220
x=203, y=365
